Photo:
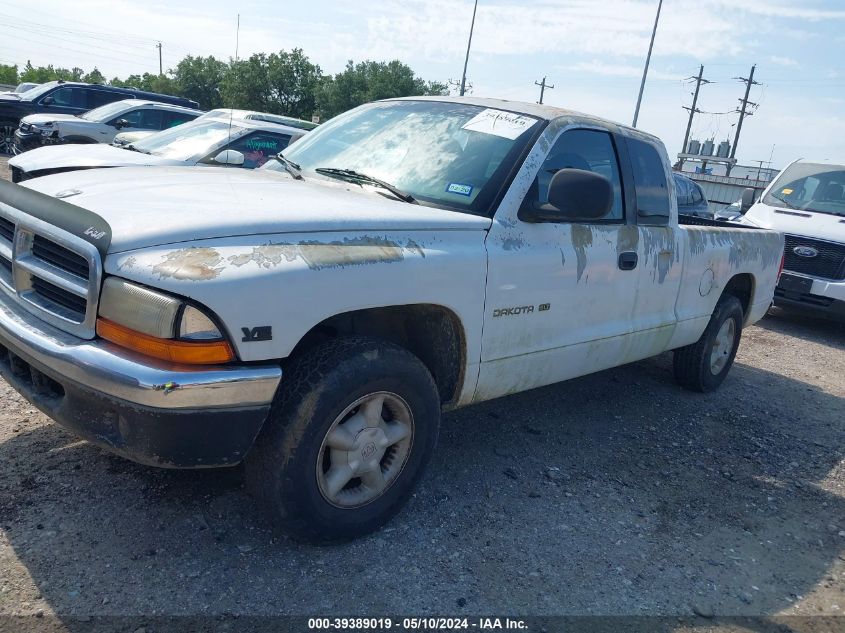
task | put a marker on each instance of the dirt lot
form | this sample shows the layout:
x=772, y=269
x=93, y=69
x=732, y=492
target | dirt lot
x=617, y=493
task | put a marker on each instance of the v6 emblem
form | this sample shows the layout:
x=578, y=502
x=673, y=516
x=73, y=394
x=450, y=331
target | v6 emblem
x=260, y=333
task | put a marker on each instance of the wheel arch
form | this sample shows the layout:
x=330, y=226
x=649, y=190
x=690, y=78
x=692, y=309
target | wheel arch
x=433, y=333
x=742, y=286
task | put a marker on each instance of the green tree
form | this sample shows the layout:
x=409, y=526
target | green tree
x=9, y=74
x=149, y=82
x=370, y=81
x=200, y=79
x=246, y=84
x=43, y=74
x=94, y=77
x=293, y=81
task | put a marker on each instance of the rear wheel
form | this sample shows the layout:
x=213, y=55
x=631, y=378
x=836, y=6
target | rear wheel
x=703, y=365
x=354, y=426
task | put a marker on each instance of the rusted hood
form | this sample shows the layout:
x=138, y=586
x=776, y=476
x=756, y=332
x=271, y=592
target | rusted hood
x=163, y=205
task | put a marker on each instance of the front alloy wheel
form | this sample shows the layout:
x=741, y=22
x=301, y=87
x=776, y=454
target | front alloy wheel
x=353, y=427
x=365, y=450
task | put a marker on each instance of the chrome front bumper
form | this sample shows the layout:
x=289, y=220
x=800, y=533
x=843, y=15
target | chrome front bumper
x=151, y=412
x=115, y=372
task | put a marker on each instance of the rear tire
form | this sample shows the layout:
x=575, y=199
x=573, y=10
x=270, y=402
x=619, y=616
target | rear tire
x=703, y=365
x=354, y=425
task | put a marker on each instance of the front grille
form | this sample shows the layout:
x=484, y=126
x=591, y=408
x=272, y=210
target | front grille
x=52, y=274
x=829, y=263
x=7, y=229
x=59, y=296
x=60, y=257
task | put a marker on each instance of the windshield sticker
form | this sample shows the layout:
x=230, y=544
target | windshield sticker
x=257, y=144
x=460, y=189
x=499, y=123
x=786, y=191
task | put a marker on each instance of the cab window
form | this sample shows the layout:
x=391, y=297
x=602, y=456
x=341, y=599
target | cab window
x=590, y=150
x=143, y=119
x=68, y=97
x=649, y=183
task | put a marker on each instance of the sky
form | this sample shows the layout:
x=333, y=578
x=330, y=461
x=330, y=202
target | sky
x=592, y=51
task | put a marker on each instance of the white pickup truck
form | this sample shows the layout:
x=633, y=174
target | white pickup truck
x=314, y=319
x=806, y=202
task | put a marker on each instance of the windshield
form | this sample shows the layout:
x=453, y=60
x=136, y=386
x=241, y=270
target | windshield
x=810, y=187
x=106, y=112
x=39, y=90
x=447, y=154
x=189, y=139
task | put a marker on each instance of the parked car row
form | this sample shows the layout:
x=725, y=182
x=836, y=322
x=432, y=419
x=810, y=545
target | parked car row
x=66, y=97
x=204, y=141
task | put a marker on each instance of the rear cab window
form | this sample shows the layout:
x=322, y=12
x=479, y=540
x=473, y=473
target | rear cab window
x=652, y=190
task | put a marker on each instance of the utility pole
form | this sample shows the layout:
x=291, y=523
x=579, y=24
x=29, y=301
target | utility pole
x=743, y=111
x=692, y=111
x=543, y=85
x=647, y=61
x=469, y=43
x=160, y=69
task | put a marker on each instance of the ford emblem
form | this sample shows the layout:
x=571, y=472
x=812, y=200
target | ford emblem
x=805, y=251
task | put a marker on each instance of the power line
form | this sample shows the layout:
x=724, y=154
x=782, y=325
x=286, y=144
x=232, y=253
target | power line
x=89, y=54
x=52, y=37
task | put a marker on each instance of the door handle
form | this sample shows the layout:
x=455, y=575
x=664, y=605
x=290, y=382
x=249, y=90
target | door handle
x=628, y=260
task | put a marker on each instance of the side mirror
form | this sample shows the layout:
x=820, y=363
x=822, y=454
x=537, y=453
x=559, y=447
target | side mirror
x=47, y=101
x=747, y=200
x=229, y=157
x=121, y=123
x=574, y=194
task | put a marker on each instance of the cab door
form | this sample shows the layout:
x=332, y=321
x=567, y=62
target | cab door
x=560, y=296
x=659, y=245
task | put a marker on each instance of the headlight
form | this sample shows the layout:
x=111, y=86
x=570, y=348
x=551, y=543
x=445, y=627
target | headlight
x=159, y=325
x=40, y=126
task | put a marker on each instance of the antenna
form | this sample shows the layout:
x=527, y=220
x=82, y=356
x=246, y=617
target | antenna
x=237, y=43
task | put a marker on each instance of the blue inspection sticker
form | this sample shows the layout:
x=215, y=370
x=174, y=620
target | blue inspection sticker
x=460, y=189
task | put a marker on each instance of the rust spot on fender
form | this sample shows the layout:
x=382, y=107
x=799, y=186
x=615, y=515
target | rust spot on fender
x=357, y=251
x=582, y=239
x=193, y=263
x=266, y=256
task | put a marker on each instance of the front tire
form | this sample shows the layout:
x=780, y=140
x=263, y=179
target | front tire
x=703, y=365
x=354, y=425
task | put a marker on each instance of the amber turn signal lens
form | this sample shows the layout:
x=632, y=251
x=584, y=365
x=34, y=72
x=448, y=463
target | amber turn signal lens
x=199, y=353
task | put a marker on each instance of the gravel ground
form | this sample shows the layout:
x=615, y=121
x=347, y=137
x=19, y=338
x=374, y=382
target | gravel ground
x=617, y=493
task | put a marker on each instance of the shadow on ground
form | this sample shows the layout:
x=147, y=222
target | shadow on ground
x=616, y=493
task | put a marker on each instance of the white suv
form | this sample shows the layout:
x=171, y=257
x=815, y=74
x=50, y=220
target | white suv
x=99, y=125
